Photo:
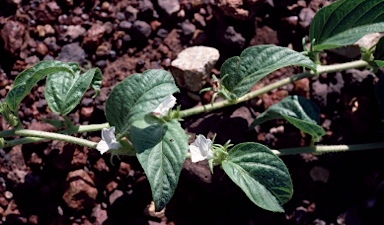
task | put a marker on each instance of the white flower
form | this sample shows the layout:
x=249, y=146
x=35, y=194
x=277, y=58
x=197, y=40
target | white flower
x=201, y=149
x=165, y=105
x=108, y=140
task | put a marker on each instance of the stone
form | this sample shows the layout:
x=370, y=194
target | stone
x=13, y=35
x=125, y=25
x=72, y=53
x=169, y=6
x=141, y=30
x=193, y=65
x=306, y=15
x=80, y=193
x=233, y=8
x=115, y=195
x=73, y=32
x=41, y=49
x=187, y=28
x=230, y=37
x=93, y=36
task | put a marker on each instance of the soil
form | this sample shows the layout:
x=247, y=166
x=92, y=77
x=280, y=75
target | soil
x=57, y=183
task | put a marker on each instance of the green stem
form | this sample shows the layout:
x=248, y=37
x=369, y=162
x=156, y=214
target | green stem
x=55, y=136
x=51, y=136
x=320, y=69
x=320, y=149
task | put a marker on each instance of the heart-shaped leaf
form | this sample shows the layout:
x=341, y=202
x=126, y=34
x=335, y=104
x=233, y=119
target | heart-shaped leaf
x=344, y=22
x=297, y=110
x=262, y=175
x=136, y=96
x=241, y=73
x=64, y=91
x=28, y=78
x=161, y=149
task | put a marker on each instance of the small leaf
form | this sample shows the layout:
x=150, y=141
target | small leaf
x=244, y=71
x=260, y=174
x=379, y=50
x=64, y=91
x=25, y=81
x=161, y=149
x=379, y=63
x=297, y=110
x=344, y=22
x=136, y=96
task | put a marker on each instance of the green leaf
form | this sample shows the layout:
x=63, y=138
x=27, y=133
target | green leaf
x=346, y=21
x=379, y=63
x=243, y=72
x=64, y=91
x=136, y=96
x=379, y=50
x=297, y=110
x=161, y=149
x=25, y=81
x=262, y=175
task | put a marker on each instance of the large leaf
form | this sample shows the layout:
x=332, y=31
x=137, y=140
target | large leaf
x=260, y=174
x=161, y=149
x=346, y=21
x=299, y=111
x=136, y=96
x=241, y=73
x=29, y=77
x=379, y=50
x=64, y=91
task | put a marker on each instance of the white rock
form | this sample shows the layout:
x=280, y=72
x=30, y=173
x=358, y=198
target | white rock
x=193, y=65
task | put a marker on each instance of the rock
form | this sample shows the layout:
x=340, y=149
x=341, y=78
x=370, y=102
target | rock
x=99, y=215
x=80, y=156
x=141, y=30
x=199, y=20
x=72, y=53
x=120, y=16
x=124, y=169
x=115, y=195
x=125, y=25
x=169, y=6
x=13, y=34
x=162, y=33
x=51, y=44
x=229, y=37
x=103, y=50
x=41, y=49
x=193, y=65
x=93, y=37
x=198, y=172
x=80, y=193
x=146, y=10
x=73, y=32
x=233, y=8
x=306, y=15
x=187, y=28
x=131, y=13
x=265, y=35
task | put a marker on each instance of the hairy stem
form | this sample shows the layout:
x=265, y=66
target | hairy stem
x=52, y=136
x=270, y=87
x=320, y=149
x=55, y=136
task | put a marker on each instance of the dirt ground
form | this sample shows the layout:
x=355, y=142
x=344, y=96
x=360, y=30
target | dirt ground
x=57, y=183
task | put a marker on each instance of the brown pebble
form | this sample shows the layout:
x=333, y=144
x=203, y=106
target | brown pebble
x=124, y=169
x=86, y=112
x=41, y=49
